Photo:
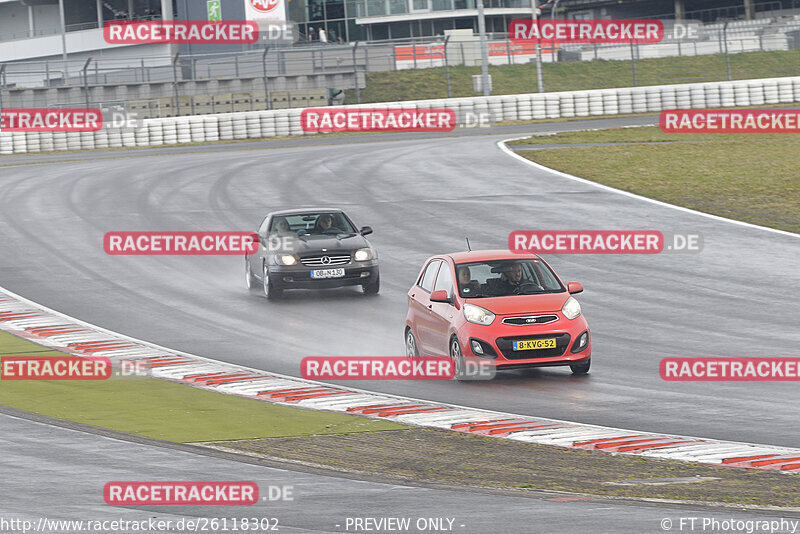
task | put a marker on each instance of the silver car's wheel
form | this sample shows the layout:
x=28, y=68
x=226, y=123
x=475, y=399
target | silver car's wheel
x=411, y=344
x=270, y=291
x=457, y=357
x=248, y=275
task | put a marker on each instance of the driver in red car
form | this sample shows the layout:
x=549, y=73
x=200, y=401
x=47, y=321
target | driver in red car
x=509, y=282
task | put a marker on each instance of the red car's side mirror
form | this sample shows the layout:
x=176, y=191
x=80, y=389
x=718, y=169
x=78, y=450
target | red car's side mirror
x=440, y=296
x=574, y=288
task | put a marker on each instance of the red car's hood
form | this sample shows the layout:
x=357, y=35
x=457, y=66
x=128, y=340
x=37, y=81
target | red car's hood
x=522, y=304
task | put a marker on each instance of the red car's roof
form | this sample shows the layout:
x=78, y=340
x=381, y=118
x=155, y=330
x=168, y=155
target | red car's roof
x=487, y=255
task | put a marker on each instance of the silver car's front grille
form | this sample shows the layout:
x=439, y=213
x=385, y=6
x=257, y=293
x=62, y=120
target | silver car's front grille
x=326, y=260
x=531, y=319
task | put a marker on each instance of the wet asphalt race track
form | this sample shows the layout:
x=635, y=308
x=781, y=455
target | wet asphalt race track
x=422, y=194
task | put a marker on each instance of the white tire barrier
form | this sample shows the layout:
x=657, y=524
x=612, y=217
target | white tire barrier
x=142, y=136
x=282, y=125
x=755, y=91
x=211, y=127
x=60, y=141
x=128, y=138
x=566, y=104
x=697, y=97
x=6, y=143
x=114, y=138
x=595, y=102
x=771, y=92
x=610, y=102
x=639, y=97
x=267, y=120
x=253, y=124
x=625, y=101
x=239, y=125
x=683, y=98
x=100, y=138
x=552, y=107
x=539, y=107
x=581, y=104
x=669, y=99
x=73, y=141
x=19, y=143
x=741, y=94
x=225, y=123
x=524, y=108
x=184, y=130
x=726, y=95
x=495, y=108
x=155, y=132
x=33, y=142
x=46, y=141
x=259, y=124
x=653, y=99
x=170, y=128
x=712, y=92
x=87, y=140
x=197, y=130
x=785, y=91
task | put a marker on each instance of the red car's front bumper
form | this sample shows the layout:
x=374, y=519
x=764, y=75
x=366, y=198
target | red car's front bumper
x=497, y=341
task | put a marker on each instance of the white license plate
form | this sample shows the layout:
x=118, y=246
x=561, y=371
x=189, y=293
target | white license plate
x=327, y=273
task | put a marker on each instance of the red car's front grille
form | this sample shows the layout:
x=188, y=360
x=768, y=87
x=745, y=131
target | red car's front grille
x=506, y=344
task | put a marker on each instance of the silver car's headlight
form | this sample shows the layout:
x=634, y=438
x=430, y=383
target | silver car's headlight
x=478, y=315
x=288, y=259
x=571, y=309
x=363, y=254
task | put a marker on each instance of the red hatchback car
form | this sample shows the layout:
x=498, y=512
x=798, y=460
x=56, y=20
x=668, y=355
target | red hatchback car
x=496, y=305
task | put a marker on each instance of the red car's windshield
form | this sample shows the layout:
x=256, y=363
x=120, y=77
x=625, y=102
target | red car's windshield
x=500, y=278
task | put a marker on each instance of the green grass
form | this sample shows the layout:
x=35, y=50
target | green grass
x=453, y=458
x=15, y=346
x=645, y=134
x=167, y=410
x=574, y=75
x=749, y=177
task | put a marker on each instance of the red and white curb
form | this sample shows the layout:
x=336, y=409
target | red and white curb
x=52, y=329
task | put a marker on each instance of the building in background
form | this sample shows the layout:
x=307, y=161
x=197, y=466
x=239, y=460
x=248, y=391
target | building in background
x=32, y=29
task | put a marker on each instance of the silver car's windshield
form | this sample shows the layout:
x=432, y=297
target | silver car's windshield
x=323, y=223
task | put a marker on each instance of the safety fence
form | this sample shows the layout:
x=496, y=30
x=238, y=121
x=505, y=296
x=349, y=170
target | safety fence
x=287, y=122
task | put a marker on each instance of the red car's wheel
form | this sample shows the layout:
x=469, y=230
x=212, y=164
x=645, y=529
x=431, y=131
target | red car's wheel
x=581, y=368
x=458, y=358
x=412, y=351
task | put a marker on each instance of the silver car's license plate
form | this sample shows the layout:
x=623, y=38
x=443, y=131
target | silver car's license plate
x=327, y=273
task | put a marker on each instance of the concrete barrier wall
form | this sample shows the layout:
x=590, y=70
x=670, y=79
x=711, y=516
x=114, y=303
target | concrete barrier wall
x=286, y=122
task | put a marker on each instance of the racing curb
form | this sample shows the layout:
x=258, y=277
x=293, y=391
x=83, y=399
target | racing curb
x=28, y=320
